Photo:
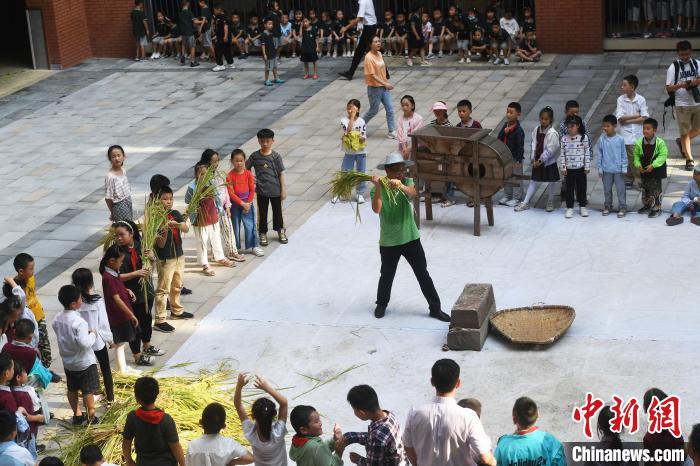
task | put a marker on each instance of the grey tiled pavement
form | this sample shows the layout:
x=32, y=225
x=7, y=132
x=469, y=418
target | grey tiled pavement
x=55, y=134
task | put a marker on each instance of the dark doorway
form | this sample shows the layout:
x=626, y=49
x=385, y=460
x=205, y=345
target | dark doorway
x=16, y=35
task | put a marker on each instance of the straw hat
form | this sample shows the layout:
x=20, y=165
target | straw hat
x=393, y=159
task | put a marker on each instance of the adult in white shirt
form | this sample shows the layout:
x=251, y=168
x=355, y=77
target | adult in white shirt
x=687, y=109
x=442, y=433
x=631, y=111
x=212, y=448
x=366, y=23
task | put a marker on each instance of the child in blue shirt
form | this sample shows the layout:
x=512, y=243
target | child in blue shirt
x=612, y=165
x=690, y=202
x=528, y=444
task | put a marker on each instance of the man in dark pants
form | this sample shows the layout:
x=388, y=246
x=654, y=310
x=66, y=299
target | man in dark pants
x=398, y=236
x=366, y=21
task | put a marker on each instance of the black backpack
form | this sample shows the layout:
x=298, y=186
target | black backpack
x=671, y=101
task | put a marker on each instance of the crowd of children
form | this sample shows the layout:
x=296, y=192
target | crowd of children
x=441, y=432
x=496, y=36
x=652, y=18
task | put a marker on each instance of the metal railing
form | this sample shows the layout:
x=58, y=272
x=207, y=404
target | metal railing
x=652, y=18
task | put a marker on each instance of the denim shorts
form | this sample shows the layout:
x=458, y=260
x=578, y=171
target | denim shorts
x=271, y=64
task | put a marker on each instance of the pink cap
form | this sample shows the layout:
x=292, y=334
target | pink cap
x=439, y=106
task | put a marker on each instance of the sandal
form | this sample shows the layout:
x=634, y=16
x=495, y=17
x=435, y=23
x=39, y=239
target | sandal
x=689, y=165
x=226, y=263
x=208, y=271
x=237, y=257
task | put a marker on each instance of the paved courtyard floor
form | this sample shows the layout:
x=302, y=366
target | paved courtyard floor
x=55, y=134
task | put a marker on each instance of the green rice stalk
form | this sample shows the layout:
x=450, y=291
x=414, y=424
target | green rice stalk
x=205, y=188
x=155, y=218
x=183, y=397
x=343, y=182
x=108, y=239
x=321, y=383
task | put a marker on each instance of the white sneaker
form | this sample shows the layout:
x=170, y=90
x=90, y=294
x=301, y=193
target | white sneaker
x=440, y=54
x=219, y=68
x=461, y=60
x=512, y=203
x=469, y=60
x=335, y=199
x=477, y=55
x=360, y=199
x=550, y=206
x=409, y=62
x=231, y=66
x=430, y=56
x=522, y=206
x=583, y=211
x=335, y=54
x=388, y=54
x=258, y=251
x=506, y=62
x=294, y=54
x=569, y=213
x=496, y=61
x=391, y=135
x=504, y=201
x=131, y=371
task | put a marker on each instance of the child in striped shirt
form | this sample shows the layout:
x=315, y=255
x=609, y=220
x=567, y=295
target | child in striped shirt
x=575, y=163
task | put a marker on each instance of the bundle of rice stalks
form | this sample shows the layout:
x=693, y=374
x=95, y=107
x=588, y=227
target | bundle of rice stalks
x=155, y=218
x=108, y=239
x=205, y=188
x=183, y=398
x=343, y=182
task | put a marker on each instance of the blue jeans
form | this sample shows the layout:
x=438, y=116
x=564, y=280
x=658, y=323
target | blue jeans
x=376, y=96
x=248, y=220
x=680, y=207
x=355, y=162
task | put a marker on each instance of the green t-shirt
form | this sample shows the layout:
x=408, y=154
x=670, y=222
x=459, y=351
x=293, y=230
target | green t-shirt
x=396, y=223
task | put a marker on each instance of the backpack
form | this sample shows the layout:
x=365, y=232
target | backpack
x=671, y=101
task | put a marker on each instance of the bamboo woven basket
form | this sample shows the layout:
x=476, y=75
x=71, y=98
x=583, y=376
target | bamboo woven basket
x=534, y=325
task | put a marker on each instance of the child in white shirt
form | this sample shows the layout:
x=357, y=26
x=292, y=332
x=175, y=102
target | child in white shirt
x=354, y=144
x=212, y=448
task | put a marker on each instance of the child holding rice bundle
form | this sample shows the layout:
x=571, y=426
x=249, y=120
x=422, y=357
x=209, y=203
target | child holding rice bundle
x=266, y=435
x=354, y=144
x=117, y=189
x=205, y=220
x=223, y=208
x=120, y=311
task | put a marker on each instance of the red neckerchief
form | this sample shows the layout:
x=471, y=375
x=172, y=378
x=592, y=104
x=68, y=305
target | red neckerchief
x=175, y=230
x=151, y=416
x=300, y=440
x=507, y=130
x=134, y=258
x=527, y=431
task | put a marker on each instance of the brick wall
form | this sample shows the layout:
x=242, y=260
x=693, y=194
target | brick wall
x=570, y=26
x=110, y=27
x=65, y=29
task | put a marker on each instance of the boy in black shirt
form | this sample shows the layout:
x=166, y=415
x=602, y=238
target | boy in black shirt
x=153, y=431
x=186, y=28
x=477, y=46
x=439, y=31
x=204, y=23
x=170, y=264
x=326, y=33
x=401, y=34
x=252, y=33
x=222, y=38
x=528, y=50
x=162, y=34
x=387, y=33
x=338, y=34
x=139, y=27
x=500, y=45
x=269, y=53
x=237, y=32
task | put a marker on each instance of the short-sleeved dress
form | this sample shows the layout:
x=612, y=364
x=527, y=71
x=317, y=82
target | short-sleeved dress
x=308, y=46
x=270, y=453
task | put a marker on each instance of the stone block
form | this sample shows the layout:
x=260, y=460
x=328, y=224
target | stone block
x=473, y=306
x=471, y=339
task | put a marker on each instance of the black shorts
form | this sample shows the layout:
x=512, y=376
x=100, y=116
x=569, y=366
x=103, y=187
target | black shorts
x=86, y=381
x=414, y=43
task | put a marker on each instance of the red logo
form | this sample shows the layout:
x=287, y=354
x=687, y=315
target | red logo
x=665, y=415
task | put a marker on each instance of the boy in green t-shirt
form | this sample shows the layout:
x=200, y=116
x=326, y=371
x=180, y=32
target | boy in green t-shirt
x=398, y=236
x=528, y=445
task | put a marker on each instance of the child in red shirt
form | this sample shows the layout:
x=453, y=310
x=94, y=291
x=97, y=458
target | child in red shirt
x=241, y=190
x=120, y=311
